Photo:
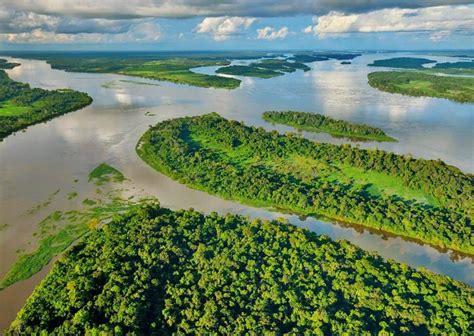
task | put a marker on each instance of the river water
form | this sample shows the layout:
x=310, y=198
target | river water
x=50, y=156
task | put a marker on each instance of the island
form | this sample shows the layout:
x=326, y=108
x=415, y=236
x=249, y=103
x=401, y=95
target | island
x=322, y=56
x=153, y=271
x=22, y=106
x=313, y=122
x=402, y=62
x=425, y=200
x=266, y=68
x=5, y=65
x=454, y=68
x=176, y=70
x=419, y=84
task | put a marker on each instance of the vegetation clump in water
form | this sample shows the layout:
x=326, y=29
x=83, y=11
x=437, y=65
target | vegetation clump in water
x=104, y=173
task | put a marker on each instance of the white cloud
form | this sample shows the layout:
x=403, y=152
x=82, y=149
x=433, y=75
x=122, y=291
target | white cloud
x=435, y=19
x=308, y=30
x=439, y=35
x=146, y=31
x=223, y=27
x=269, y=33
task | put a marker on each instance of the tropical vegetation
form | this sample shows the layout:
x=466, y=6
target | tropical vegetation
x=153, y=271
x=418, y=84
x=314, y=122
x=426, y=200
x=22, y=106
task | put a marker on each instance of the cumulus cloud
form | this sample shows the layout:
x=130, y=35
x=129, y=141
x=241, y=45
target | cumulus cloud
x=435, y=19
x=73, y=20
x=221, y=28
x=139, y=31
x=269, y=33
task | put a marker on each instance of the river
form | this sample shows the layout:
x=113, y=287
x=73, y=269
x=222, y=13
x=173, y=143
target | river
x=50, y=156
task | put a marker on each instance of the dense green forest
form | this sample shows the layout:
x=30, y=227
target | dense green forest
x=314, y=122
x=266, y=68
x=22, y=106
x=176, y=70
x=4, y=64
x=153, y=271
x=402, y=62
x=454, y=68
x=322, y=56
x=414, y=83
x=422, y=199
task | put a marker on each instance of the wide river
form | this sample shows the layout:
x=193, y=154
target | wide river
x=51, y=156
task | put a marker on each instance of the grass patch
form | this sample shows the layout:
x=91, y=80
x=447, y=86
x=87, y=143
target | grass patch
x=60, y=229
x=104, y=173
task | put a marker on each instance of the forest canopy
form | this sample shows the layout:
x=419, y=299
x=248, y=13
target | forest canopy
x=421, y=199
x=22, y=106
x=420, y=84
x=314, y=122
x=153, y=271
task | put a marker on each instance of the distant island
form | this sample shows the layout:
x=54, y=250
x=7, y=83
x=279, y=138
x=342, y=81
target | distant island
x=22, y=106
x=454, y=68
x=322, y=56
x=313, y=122
x=421, y=199
x=402, y=62
x=414, y=83
x=266, y=68
x=176, y=70
x=153, y=271
x=4, y=64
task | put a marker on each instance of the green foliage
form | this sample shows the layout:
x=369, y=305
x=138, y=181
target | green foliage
x=402, y=62
x=62, y=228
x=153, y=271
x=459, y=89
x=176, y=70
x=291, y=173
x=104, y=173
x=4, y=64
x=319, y=123
x=454, y=68
x=22, y=106
x=322, y=56
x=266, y=68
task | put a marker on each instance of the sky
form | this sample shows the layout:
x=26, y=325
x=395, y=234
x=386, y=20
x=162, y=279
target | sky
x=236, y=24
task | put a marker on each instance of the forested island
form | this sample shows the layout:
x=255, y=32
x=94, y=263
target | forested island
x=415, y=83
x=266, y=68
x=455, y=68
x=314, y=122
x=402, y=62
x=322, y=56
x=154, y=271
x=22, y=106
x=4, y=64
x=176, y=70
x=422, y=199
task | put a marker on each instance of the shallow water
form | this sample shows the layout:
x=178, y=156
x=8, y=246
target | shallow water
x=50, y=156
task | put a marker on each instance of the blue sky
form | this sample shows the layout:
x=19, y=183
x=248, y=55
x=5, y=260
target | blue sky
x=236, y=24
